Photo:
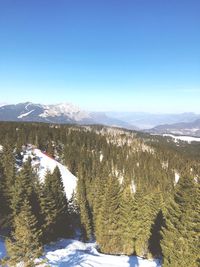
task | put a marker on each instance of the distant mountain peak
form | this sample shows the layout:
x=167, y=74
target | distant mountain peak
x=65, y=109
x=63, y=113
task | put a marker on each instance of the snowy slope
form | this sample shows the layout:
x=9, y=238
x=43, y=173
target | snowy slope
x=188, y=139
x=44, y=163
x=66, y=109
x=25, y=114
x=72, y=253
x=47, y=163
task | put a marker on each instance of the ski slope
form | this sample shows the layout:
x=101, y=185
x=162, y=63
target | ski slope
x=73, y=253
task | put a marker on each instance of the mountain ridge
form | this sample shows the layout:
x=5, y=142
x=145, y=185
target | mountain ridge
x=63, y=113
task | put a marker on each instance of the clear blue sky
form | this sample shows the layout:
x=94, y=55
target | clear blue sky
x=128, y=55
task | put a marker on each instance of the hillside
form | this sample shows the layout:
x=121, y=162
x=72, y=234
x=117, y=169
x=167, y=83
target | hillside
x=128, y=185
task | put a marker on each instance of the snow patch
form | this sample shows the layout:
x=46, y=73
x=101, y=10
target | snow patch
x=133, y=187
x=188, y=139
x=25, y=114
x=177, y=177
x=101, y=157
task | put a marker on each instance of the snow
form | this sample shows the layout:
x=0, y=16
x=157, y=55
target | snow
x=74, y=253
x=47, y=163
x=25, y=114
x=65, y=109
x=188, y=139
x=101, y=157
x=177, y=177
x=133, y=187
x=2, y=249
x=68, y=253
x=26, y=107
x=44, y=163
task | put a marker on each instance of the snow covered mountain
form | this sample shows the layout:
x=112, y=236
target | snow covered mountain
x=184, y=128
x=63, y=113
x=60, y=113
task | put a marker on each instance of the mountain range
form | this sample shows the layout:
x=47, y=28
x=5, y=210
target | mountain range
x=66, y=113
x=182, y=128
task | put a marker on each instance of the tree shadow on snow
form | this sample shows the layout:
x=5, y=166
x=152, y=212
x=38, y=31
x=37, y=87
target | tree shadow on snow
x=133, y=261
x=77, y=258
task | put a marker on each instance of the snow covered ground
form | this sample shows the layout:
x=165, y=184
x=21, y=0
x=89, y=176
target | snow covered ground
x=188, y=139
x=73, y=253
x=43, y=163
x=47, y=163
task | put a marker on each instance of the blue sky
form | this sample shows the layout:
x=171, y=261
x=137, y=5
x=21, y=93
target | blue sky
x=123, y=55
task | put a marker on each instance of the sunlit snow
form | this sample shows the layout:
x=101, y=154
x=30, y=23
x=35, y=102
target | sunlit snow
x=43, y=163
x=74, y=253
x=47, y=163
x=25, y=114
x=177, y=177
x=188, y=139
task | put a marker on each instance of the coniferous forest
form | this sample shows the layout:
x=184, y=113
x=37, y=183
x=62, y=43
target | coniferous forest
x=128, y=197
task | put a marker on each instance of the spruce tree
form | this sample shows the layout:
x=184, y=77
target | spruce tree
x=85, y=214
x=109, y=237
x=181, y=239
x=24, y=244
x=48, y=216
x=23, y=187
x=128, y=223
x=54, y=200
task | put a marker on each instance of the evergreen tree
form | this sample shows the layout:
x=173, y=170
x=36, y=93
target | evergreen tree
x=148, y=208
x=24, y=244
x=181, y=239
x=128, y=223
x=85, y=214
x=74, y=214
x=24, y=188
x=109, y=235
x=54, y=201
x=7, y=178
x=48, y=215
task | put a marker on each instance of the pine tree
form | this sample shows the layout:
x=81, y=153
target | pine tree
x=181, y=239
x=7, y=177
x=24, y=244
x=54, y=200
x=85, y=214
x=148, y=208
x=48, y=216
x=23, y=188
x=109, y=238
x=128, y=223
x=74, y=214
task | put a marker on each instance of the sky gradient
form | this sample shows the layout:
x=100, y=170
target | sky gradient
x=122, y=55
